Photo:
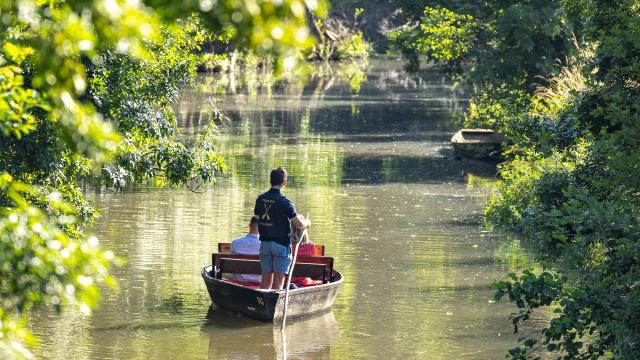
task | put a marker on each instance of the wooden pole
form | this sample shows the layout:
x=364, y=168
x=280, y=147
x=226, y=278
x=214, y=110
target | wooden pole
x=293, y=263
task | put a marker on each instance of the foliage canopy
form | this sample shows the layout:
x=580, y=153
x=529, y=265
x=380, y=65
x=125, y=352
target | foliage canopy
x=571, y=182
x=559, y=79
x=86, y=89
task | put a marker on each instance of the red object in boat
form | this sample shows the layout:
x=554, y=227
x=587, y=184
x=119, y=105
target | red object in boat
x=299, y=281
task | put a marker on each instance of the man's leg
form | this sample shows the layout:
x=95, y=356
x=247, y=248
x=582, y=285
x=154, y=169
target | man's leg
x=281, y=262
x=266, y=265
x=267, y=281
x=278, y=281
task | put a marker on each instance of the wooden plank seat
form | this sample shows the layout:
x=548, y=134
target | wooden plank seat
x=216, y=259
x=326, y=260
x=245, y=266
x=226, y=248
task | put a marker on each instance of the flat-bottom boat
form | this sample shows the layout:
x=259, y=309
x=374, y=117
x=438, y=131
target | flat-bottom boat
x=268, y=305
x=482, y=144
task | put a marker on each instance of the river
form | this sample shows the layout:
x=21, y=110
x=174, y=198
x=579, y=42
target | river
x=369, y=160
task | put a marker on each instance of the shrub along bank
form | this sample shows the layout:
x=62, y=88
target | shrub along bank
x=561, y=79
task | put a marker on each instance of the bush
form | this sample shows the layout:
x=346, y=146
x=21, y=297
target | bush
x=580, y=197
x=342, y=41
x=496, y=106
x=441, y=35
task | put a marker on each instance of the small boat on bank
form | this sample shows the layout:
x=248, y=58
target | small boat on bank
x=478, y=143
x=268, y=305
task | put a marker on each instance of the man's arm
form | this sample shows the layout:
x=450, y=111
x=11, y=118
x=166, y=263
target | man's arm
x=300, y=222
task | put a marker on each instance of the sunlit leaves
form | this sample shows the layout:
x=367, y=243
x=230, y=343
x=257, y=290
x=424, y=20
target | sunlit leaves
x=136, y=95
x=268, y=26
x=16, y=103
x=16, y=53
x=352, y=47
x=54, y=133
x=446, y=35
x=441, y=34
x=41, y=263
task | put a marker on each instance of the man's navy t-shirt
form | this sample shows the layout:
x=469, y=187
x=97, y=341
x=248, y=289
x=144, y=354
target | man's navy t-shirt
x=274, y=212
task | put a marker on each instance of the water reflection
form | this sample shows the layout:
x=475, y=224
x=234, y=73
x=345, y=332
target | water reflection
x=304, y=338
x=387, y=198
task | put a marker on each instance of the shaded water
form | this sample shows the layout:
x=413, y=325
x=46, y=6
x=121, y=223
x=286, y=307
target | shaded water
x=375, y=172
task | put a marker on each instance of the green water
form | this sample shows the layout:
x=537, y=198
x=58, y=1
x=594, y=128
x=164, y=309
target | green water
x=375, y=172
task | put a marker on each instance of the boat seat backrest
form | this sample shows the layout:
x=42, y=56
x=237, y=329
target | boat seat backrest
x=226, y=248
x=244, y=266
x=239, y=266
x=327, y=260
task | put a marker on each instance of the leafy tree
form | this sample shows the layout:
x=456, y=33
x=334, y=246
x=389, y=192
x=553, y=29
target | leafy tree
x=86, y=88
x=575, y=192
x=560, y=80
x=505, y=41
x=441, y=34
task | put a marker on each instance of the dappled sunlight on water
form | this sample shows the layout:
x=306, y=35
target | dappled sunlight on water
x=375, y=172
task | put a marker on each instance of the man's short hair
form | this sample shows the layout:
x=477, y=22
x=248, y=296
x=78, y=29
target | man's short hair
x=278, y=176
x=254, y=220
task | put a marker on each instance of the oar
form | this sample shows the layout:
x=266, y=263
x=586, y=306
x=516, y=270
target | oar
x=293, y=263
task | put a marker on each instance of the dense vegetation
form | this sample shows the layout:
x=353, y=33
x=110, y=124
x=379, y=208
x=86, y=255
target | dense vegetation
x=560, y=79
x=337, y=39
x=86, y=90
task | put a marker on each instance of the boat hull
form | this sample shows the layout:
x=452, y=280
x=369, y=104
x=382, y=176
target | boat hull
x=481, y=144
x=268, y=306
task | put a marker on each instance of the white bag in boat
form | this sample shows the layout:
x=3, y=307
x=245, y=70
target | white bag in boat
x=298, y=235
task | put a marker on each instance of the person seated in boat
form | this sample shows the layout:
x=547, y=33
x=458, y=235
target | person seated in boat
x=276, y=214
x=247, y=245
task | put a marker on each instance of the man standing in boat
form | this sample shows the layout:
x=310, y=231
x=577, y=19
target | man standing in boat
x=276, y=214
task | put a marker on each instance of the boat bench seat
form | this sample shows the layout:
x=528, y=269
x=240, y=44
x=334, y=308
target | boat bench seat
x=226, y=248
x=326, y=260
x=229, y=265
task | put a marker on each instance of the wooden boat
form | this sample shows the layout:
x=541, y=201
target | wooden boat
x=478, y=143
x=268, y=305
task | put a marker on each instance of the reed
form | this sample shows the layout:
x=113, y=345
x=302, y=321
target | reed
x=555, y=92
